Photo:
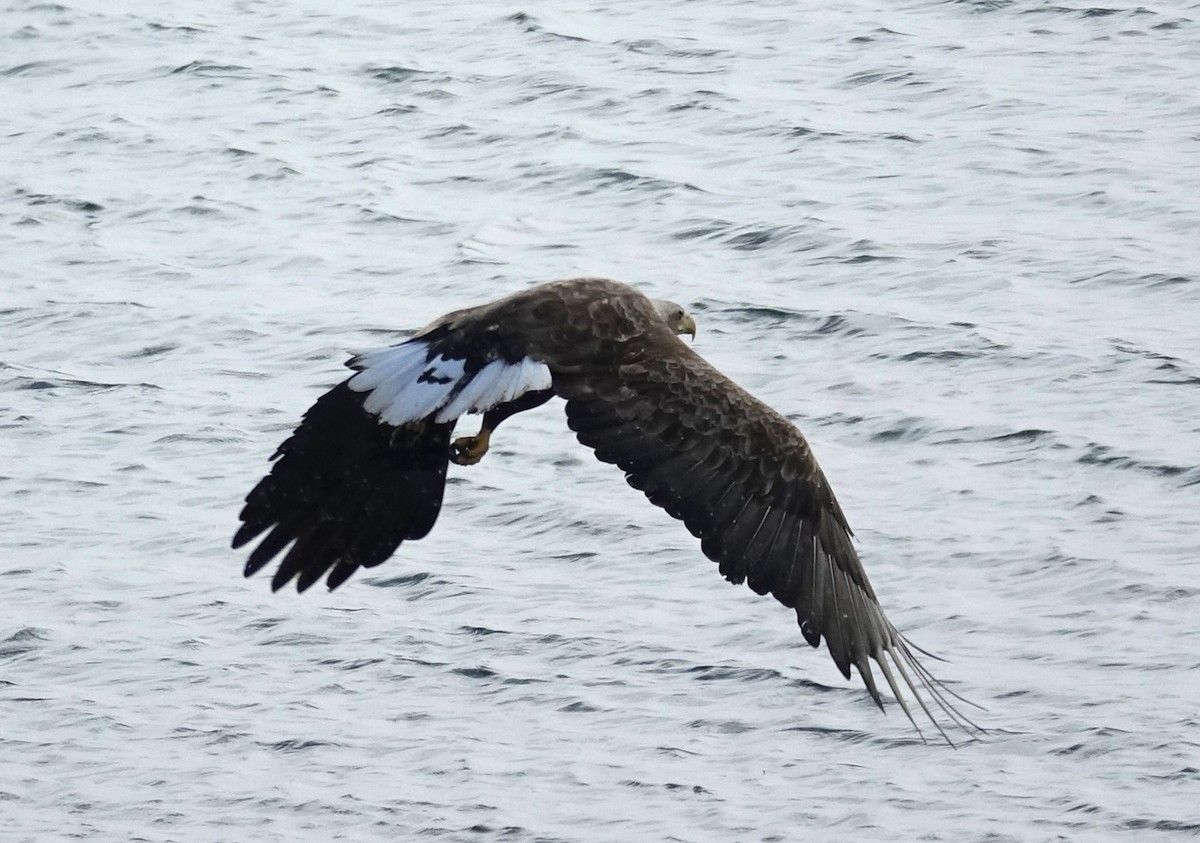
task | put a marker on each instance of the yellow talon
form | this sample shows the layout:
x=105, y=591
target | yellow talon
x=468, y=450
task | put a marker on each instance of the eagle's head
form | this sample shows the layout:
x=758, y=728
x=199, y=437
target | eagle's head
x=677, y=319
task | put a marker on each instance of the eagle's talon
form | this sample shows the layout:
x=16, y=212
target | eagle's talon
x=469, y=450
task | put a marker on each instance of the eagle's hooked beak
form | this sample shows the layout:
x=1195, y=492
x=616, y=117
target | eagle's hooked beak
x=687, y=325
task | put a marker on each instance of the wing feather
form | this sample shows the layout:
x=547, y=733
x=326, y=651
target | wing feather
x=344, y=492
x=766, y=565
x=744, y=481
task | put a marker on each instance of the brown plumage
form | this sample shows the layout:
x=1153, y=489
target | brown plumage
x=366, y=468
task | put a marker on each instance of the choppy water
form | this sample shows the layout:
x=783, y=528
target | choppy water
x=956, y=242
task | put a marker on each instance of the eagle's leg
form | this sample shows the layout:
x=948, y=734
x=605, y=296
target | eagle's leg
x=468, y=450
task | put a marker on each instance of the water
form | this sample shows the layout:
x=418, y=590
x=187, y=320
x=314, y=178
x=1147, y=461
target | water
x=955, y=242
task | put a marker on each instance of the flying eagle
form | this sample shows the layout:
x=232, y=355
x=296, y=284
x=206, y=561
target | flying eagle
x=366, y=468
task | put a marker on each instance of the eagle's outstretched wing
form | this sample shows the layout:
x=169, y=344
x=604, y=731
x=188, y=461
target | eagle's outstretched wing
x=366, y=468
x=347, y=490
x=744, y=481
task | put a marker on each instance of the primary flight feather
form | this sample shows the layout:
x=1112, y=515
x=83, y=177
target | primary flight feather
x=366, y=468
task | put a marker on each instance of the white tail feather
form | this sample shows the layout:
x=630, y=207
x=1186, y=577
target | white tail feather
x=383, y=364
x=531, y=376
x=435, y=385
x=476, y=394
x=405, y=385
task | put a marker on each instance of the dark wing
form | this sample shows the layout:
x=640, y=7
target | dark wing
x=366, y=469
x=347, y=489
x=743, y=480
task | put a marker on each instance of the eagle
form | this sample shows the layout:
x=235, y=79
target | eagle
x=366, y=469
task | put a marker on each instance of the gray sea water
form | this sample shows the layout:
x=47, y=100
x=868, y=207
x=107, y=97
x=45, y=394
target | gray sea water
x=956, y=242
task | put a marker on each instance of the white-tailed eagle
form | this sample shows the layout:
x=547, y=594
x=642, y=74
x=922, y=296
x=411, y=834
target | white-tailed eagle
x=366, y=468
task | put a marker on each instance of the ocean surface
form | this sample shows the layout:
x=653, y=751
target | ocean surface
x=955, y=242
